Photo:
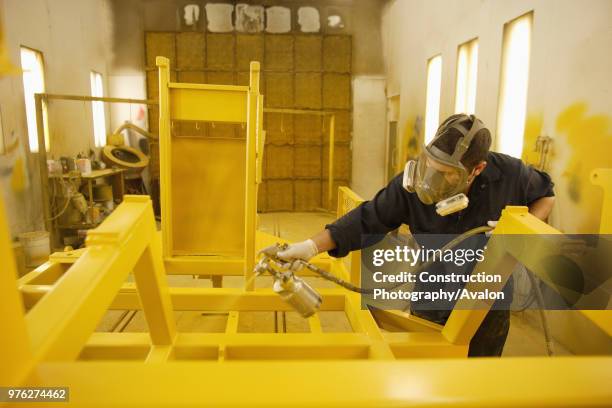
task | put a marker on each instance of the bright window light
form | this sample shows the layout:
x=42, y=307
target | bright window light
x=33, y=82
x=2, y=143
x=467, y=71
x=512, y=106
x=99, y=123
x=432, y=109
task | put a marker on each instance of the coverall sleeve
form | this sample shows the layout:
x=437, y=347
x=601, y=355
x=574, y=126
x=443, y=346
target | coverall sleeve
x=533, y=184
x=384, y=213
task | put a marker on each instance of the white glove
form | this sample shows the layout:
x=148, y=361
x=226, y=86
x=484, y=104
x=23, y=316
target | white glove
x=492, y=224
x=301, y=250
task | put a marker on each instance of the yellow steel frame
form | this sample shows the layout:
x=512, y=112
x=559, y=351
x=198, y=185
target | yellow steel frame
x=209, y=186
x=51, y=339
x=168, y=368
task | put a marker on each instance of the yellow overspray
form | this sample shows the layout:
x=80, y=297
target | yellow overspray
x=411, y=141
x=589, y=141
x=18, y=178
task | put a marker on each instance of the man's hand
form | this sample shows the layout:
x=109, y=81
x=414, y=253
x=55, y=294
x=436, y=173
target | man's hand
x=301, y=250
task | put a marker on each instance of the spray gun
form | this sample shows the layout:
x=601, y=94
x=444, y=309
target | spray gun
x=291, y=288
x=303, y=297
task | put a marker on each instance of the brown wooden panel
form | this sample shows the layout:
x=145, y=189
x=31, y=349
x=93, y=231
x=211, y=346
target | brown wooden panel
x=220, y=52
x=308, y=90
x=152, y=85
x=308, y=129
x=154, y=160
x=190, y=50
x=159, y=44
x=308, y=53
x=278, y=52
x=307, y=162
x=342, y=162
x=337, y=53
x=336, y=91
x=278, y=162
x=220, y=78
x=279, y=90
x=279, y=128
x=249, y=47
x=280, y=195
x=192, y=77
x=154, y=119
x=307, y=195
x=262, y=197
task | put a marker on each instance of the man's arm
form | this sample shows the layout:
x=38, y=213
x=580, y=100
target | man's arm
x=378, y=216
x=536, y=191
x=542, y=207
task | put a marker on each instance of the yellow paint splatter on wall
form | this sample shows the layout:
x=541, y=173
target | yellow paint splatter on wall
x=588, y=141
x=411, y=140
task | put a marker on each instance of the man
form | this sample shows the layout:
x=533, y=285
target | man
x=457, y=161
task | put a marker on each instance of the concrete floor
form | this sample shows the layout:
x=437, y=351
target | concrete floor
x=525, y=337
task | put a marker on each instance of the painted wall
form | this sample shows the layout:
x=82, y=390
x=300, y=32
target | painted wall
x=74, y=39
x=569, y=96
x=369, y=112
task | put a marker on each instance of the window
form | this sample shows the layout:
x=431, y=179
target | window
x=467, y=71
x=2, y=142
x=432, y=108
x=99, y=123
x=33, y=82
x=514, y=79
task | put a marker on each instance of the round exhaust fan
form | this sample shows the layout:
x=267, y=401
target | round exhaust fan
x=125, y=157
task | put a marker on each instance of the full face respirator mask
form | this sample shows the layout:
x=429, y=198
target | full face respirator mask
x=438, y=177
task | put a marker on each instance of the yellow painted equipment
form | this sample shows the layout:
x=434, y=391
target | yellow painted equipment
x=208, y=228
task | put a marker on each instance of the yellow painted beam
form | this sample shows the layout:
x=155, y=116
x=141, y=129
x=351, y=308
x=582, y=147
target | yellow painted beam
x=153, y=292
x=15, y=352
x=60, y=323
x=205, y=299
x=208, y=105
x=250, y=193
x=484, y=382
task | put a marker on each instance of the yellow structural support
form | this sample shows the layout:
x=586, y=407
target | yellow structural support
x=209, y=190
x=209, y=185
x=370, y=367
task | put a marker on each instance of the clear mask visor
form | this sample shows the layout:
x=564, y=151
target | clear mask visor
x=436, y=180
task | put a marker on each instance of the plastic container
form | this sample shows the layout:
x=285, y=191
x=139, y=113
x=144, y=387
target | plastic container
x=84, y=166
x=36, y=247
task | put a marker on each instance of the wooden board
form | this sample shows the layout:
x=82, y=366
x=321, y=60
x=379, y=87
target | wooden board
x=190, y=50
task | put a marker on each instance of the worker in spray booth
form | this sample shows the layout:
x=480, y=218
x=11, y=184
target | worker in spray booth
x=457, y=161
